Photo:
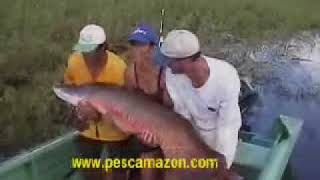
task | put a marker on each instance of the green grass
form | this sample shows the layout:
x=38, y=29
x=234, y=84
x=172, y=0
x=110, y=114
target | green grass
x=36, y=37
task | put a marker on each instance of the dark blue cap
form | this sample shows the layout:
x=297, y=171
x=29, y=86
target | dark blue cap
x=144, y=34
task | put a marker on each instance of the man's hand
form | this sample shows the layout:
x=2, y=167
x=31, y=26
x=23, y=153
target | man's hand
x=85, y=113
x=148, y=139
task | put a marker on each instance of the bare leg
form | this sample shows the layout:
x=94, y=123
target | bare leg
x=156, y=174
x=148, y=174
x=88, y=148
x=116, y=174
x=119, y=150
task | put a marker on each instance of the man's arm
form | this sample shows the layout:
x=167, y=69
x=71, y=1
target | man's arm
x=229, y=111
x=80, y=115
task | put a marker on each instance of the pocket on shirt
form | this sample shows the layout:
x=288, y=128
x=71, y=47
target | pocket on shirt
x=207, y=119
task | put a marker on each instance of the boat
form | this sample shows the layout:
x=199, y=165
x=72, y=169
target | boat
x=257, y=157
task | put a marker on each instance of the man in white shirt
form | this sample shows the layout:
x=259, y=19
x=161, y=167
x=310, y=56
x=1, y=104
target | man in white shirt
x=204, y=90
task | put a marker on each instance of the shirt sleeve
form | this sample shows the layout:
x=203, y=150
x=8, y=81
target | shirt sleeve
x=68, y=75
x=122, y=70
x=119, y=70
x=130, y=77
x=229, y=111
x=67, y=78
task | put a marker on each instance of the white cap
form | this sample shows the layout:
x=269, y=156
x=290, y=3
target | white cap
x=90, y=37
x=180, y=44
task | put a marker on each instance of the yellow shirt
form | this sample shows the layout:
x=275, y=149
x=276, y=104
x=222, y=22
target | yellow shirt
x=77, y=73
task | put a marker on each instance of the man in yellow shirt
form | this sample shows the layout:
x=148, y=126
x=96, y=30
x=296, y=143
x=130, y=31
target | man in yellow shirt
x=93, y=63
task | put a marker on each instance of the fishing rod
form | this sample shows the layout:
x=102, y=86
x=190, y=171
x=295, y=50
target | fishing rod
x=161, y=27
x=304, y=60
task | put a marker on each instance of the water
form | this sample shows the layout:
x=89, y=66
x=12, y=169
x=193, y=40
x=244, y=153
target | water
x=293, y=90
x=305, y=158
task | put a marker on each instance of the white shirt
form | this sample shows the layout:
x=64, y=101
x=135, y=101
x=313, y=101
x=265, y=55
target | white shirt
x=212, y=109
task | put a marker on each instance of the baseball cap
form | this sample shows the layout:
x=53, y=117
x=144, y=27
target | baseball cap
x=90, y=37
x=177, y=44
x=145, y=34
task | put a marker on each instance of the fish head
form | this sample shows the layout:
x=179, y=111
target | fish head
x=72, y=94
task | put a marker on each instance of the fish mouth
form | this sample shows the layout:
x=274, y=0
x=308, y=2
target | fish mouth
x=65, y=96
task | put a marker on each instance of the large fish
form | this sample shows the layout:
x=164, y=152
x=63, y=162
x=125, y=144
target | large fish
x=136, y=114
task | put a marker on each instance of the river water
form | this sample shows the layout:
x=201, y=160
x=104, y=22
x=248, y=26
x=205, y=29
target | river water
x=292, y=89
